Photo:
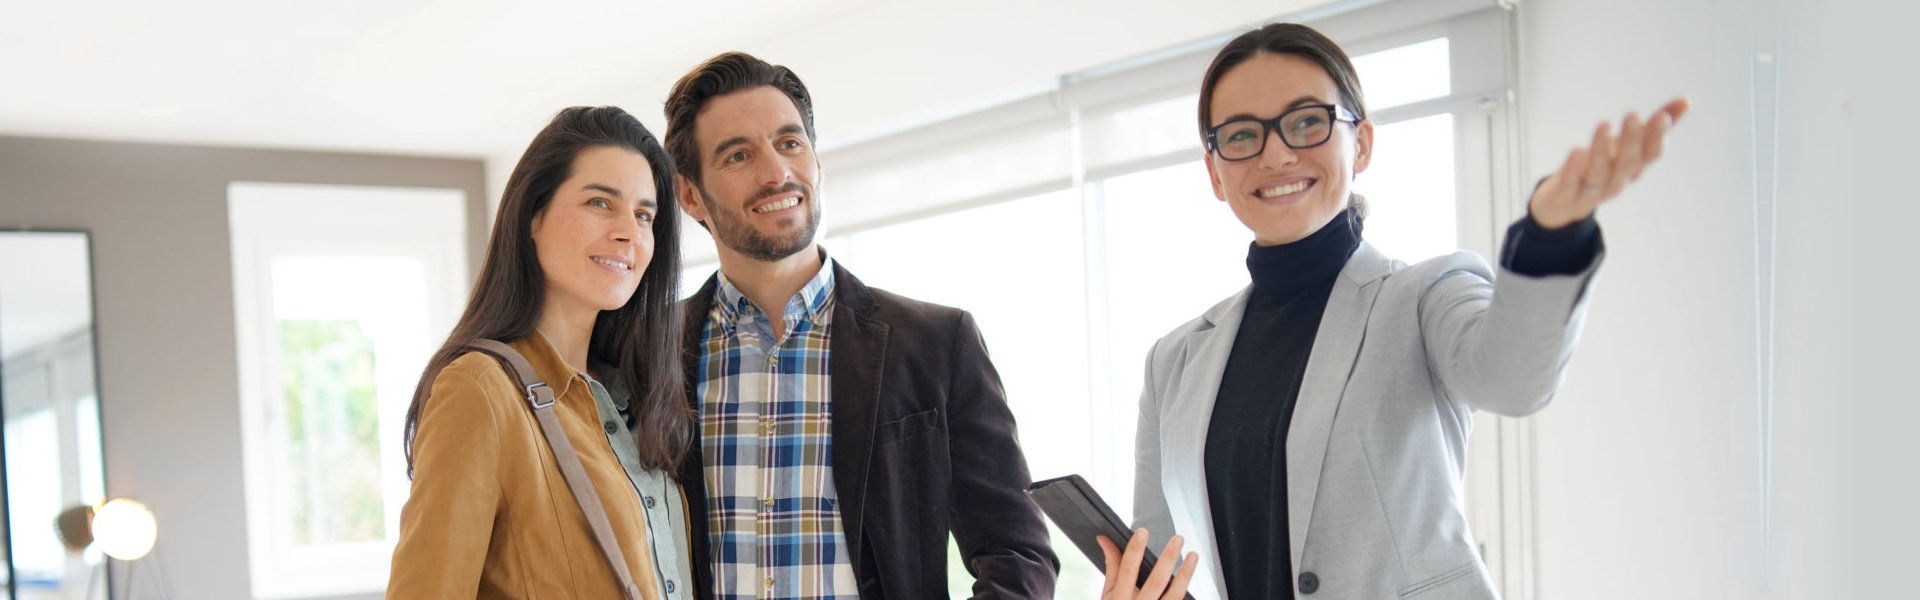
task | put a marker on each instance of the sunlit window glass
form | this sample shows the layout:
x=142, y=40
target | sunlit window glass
x=1019, y=267
x=345, y=358
x=1406, y=74
x=1410, y=189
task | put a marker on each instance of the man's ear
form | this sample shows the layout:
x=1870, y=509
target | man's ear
x=1362, y=146
x=690, y=200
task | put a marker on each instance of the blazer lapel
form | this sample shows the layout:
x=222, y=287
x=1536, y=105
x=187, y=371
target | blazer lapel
x=858, y=347
x=1184, y=422
x=1343, y=328
x=693, y=473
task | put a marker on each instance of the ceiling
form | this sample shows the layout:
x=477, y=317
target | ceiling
x=476, y=78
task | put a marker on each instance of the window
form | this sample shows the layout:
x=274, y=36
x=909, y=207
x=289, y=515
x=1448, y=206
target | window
x=954, y=259
x=341, y=294
x=1196, y=257
x=1409, y=189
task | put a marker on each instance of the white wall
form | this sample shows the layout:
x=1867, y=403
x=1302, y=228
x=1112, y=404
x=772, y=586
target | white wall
x=1665, y=471
x=1846, y=308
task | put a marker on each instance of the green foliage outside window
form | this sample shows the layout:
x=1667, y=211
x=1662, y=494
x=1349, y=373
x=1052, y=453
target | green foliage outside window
x=333, y=426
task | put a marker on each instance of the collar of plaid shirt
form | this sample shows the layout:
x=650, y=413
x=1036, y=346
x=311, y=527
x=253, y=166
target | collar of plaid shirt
x=814, y=302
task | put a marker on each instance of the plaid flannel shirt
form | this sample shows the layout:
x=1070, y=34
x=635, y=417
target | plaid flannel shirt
x=767, y=446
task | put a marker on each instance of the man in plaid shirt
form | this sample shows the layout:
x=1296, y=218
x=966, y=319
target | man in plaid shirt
x=844, y=430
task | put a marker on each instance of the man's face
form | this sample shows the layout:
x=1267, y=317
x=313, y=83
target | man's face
x=758, y=174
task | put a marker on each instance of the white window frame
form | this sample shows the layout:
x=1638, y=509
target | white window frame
x=274, y=220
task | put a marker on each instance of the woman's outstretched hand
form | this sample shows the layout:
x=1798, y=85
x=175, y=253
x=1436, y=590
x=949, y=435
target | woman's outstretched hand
x=1596, y=173
x=1123, y=569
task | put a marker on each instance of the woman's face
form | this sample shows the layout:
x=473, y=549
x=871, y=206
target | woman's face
x=595, y=238
x=1285, y=194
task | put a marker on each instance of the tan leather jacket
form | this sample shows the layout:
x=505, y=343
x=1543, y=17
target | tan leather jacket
x=490, y=515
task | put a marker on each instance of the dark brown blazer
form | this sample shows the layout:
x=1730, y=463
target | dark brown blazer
x=923, y=444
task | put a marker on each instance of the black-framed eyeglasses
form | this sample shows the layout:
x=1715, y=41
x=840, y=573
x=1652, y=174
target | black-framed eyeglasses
x=1300, y=128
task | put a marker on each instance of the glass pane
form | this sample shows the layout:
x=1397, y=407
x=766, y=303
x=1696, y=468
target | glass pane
x=1410, y=189
x=86, y=425
x=39, y=560
x=973, y=259
x=352, y=340
x=332, y=424
x=1018, y=266
x=1173, y=251
x=1406, y=74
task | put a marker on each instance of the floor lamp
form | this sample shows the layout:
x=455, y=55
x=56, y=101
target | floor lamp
x=122, y=528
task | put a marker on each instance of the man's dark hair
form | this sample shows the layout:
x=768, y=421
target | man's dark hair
x=721, y=75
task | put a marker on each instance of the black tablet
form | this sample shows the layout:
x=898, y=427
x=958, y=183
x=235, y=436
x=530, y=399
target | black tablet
x=1083, y=516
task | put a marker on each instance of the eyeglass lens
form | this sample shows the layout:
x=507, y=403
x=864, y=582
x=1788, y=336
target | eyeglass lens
x=1303, y=127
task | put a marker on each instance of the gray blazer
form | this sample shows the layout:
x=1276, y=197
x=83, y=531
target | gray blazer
x=1377, y=445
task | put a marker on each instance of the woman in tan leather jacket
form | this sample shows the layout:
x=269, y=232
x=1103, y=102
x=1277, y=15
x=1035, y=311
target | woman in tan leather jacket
x=580, y=278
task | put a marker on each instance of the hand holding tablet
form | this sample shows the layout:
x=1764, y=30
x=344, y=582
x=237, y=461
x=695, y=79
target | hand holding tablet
x=1095, y=529
x=1155, y=585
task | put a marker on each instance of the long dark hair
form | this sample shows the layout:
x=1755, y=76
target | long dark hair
x=641, y=340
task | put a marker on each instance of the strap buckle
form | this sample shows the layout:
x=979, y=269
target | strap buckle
x=533, y=397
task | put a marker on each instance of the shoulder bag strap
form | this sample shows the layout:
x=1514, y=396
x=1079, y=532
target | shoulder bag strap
x=540, y=398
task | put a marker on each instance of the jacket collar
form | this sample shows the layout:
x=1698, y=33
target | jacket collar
x=1367, y=265
x=547, y=363
x=1336, y=345
x=816, y=296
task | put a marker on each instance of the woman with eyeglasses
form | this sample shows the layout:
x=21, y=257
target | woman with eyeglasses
x=1307, y=435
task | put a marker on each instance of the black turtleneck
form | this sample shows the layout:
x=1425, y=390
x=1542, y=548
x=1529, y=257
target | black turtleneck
x=1246, y=451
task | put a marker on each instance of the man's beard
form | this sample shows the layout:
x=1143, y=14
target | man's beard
x=738, y=235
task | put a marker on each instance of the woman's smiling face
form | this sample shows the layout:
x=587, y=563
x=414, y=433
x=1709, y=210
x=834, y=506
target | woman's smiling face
x=1284, y=194
x=595, y=238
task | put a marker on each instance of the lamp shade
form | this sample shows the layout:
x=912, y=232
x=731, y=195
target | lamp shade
x=124, y=529
x=75, y=527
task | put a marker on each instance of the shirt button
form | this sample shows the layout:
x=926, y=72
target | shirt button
x=769, y=583
x=612, y=428
x=766, y=502
x=770, y=427
x=669, y=586
x=648, y=501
